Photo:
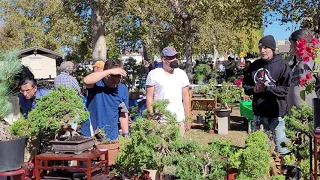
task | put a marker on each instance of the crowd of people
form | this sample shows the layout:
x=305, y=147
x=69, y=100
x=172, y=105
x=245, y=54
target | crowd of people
x=273, y=84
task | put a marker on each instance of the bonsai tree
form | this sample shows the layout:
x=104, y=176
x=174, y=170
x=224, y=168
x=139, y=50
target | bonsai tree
x=53, y=112
x=10, y=65
x=135, y=73
x=159, y=146
x=202, y=72
x=227, y=94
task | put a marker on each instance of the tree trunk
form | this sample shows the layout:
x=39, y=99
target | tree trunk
x=145, y=52
x=99, y=47
x=188, y=45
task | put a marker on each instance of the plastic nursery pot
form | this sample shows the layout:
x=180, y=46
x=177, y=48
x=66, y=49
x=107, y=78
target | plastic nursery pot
x=199, y=119
x=222, y=112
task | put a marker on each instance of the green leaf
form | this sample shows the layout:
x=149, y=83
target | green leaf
x=308, y=89
x=303, y=94
x=317, y=60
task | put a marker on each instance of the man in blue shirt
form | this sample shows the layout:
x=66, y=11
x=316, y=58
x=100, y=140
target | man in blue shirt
x=29, y=94
x=108, y=99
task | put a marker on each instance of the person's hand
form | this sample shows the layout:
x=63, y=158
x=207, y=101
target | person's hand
x=117, y=71
x=187, y=126
x=259, y=87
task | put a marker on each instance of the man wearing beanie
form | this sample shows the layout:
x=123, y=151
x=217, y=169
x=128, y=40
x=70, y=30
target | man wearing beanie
x=267, y=80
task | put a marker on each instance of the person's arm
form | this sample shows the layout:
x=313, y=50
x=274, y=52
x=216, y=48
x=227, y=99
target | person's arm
x=93, y=78
x=150, y=83
x=284, y=83
x=124, y=112
x=186, y=102
x=247, y=83
x=149, y=98
x=124, y=122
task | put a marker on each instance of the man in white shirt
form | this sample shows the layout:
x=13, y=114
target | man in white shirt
x=170, y=83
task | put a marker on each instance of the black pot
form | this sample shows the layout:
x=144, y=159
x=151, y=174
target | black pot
x=199, y=119
x=222, y=112
x=316, y=112
x=12, y=154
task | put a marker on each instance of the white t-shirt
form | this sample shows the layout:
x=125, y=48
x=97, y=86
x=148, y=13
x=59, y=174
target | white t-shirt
x=169, y=86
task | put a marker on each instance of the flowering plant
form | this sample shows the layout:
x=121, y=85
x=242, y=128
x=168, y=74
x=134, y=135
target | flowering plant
x=308, y=52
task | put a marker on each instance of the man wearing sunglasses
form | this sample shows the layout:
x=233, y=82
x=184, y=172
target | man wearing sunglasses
x=108, y=99
x=170, y=83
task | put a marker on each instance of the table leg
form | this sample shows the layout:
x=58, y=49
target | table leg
x=36, y=167
x=106, y=168
x=310, y=156
x=88, y=166
x=315, y=152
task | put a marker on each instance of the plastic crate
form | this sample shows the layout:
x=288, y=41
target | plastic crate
x=246, y=109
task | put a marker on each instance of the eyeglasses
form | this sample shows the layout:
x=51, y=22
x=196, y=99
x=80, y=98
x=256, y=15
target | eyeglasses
x=27, y=90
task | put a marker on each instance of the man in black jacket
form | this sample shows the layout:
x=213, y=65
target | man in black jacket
x=267, y=79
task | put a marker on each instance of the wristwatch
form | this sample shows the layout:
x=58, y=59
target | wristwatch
x=125, y=134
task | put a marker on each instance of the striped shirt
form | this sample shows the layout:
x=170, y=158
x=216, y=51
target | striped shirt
x=65, y=79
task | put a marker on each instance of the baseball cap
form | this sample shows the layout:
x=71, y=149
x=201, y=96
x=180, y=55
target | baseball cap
x=169, y=51
x=99, y=64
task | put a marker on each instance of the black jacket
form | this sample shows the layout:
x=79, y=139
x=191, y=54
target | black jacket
x=276, y=74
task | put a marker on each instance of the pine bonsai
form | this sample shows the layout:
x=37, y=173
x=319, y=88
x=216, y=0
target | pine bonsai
x=59, y=108
x=10, y=65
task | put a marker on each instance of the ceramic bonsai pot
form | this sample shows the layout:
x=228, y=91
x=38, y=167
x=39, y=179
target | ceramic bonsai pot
x=76, y=146
x=12, y=154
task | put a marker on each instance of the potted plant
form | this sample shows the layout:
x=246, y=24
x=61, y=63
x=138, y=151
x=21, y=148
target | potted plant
x=103, y=144
x=52, y=119
x=11, y=146
x=159, y=146
x=226, y=94
x=202, y=72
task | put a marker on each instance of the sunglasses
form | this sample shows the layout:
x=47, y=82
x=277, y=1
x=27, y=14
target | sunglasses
x=171, y=57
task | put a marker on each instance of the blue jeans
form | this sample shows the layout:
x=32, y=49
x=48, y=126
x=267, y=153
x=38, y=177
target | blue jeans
x=277, y=127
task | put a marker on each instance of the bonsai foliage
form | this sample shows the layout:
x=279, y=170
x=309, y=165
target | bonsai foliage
x=10, y=65
x=58, y=107
x=253, y=160
x=298, y=124
x=201, y=72
x=227, y=94
x=157, y=145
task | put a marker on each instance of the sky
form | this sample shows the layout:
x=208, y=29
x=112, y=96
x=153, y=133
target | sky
x=279, y=31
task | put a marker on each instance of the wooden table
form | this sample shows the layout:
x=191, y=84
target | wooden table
x=17, y=172
x=205, y=105
x=41, y=162
x=316, y=138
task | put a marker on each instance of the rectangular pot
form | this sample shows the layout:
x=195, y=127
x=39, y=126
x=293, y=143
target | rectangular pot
x=76, y=147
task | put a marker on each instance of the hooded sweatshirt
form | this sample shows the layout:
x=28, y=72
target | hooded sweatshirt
x=276, y=74
x=300, y=70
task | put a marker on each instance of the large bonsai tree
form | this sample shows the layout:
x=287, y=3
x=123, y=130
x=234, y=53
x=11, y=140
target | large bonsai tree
x=10, y=65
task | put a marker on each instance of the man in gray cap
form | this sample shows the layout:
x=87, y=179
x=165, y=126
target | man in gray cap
x=267, y=80
x=172, y=84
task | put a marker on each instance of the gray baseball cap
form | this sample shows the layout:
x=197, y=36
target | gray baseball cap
x=169, y=51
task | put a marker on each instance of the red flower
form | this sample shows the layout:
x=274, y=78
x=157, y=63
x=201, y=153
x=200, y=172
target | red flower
x=300, y=52
x=315, y=41
x=308, y=77
x=306, y=59
x=301, y=44
x=302, y=82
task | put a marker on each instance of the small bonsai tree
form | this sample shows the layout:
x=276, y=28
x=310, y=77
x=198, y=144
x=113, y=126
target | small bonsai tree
x=202, y=72
x=157, y=145
x=10, y=65
x=227, y=94
x=58, y=108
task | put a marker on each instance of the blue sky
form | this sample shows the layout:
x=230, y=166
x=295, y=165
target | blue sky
x=279, y=31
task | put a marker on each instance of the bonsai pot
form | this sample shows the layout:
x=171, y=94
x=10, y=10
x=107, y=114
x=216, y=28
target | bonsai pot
x=222, y=112
x=211, y=131
x=232, y=173
x=199, y=119
x=12, y=154
x=75, y=146
x=113, y=151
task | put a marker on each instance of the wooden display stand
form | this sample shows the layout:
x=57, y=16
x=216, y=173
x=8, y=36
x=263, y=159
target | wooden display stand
x=41, y=162
x=18, y=172
x=314, y=138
